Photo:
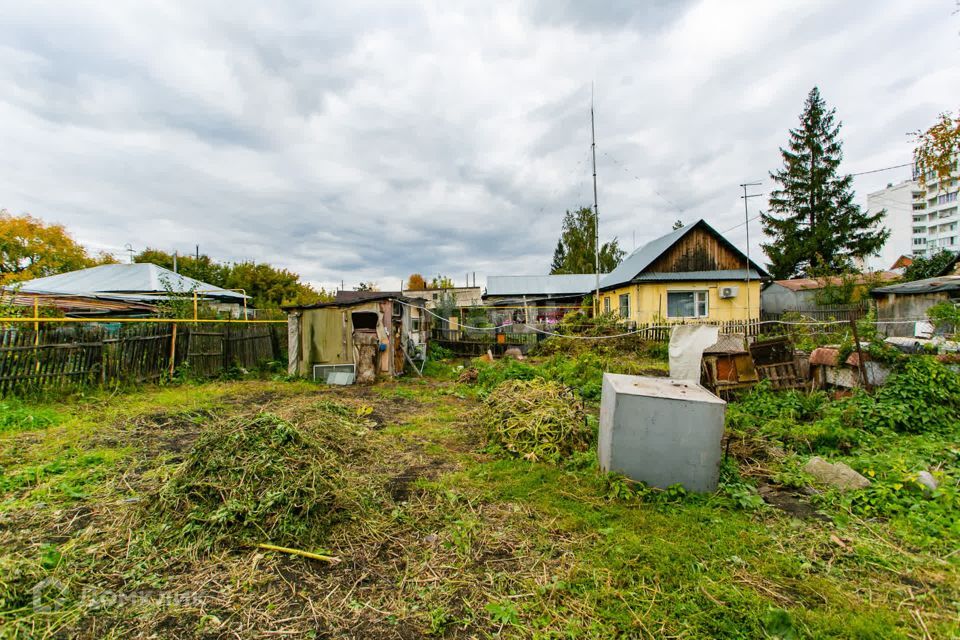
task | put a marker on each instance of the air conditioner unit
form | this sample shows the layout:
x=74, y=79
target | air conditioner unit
x=729, y=292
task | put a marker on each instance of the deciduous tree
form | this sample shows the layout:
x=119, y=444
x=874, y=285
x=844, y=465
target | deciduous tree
x=31, y=248
x=575, y=248
x=269, y=287
x=930, y=267
x=938, y=147
x=416, y=282
x=814, y=223
x=441, y=282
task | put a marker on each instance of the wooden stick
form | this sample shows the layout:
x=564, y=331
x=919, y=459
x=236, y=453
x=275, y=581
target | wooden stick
x=298, y=552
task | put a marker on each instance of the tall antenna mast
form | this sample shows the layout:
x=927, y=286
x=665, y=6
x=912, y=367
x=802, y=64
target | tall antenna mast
x=746, y=221
x=596, y=208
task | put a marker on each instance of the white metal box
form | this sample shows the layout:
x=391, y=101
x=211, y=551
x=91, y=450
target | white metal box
x=661, y=431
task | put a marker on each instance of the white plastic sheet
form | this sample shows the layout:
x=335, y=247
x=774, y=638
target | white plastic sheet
x=687, y=342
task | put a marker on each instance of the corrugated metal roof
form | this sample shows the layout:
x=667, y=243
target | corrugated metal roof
x=642, y=258
x=719, y=274
x=555, y=285
x=359, y=296
x=374, y=296
x=927, y=285
x=636, y=262
x=138, y=278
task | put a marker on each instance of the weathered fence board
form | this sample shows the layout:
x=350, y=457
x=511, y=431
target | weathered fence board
x=75, y=355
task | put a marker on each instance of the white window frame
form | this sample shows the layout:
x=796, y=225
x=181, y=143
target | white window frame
x=620, y=305
x=700, y=296
x=606, y=304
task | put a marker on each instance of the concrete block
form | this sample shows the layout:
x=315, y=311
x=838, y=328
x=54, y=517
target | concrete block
x=661, y=431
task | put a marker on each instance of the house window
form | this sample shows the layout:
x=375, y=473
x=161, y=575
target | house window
x=624, y=305
x=606, y=304
x=687, y=304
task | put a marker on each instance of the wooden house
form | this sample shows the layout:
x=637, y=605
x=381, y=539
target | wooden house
x=690, y=274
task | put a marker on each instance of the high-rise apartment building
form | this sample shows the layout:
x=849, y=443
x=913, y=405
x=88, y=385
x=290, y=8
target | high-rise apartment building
x=897, y=201
x=935, y=214
x=922, y=219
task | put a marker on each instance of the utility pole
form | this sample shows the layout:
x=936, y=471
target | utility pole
x=746, y=221
x=596, y=208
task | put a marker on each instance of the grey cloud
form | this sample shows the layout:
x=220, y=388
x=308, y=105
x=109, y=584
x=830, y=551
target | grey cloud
x=363, y=141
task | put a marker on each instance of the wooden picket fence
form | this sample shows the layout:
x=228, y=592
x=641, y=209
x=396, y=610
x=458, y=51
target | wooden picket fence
x=660, y=332
x=68, y=356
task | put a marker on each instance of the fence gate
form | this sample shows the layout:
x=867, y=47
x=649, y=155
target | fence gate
x=205, y=352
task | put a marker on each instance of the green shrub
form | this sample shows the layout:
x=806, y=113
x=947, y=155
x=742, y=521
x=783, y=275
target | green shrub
x=922, y=397
x=489, y=375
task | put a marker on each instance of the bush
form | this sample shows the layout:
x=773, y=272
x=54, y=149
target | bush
x=923, y=396
x=490, y=375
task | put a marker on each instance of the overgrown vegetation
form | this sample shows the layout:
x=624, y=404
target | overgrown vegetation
x=439, y=538
x=583, y=373
x=910, y=425
x=945, y=317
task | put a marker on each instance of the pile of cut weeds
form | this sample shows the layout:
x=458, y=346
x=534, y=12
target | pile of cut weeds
x=536, y=420
x=262, y=479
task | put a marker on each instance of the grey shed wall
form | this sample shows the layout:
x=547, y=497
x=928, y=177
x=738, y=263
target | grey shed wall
x=904, y=307
x=777, y=299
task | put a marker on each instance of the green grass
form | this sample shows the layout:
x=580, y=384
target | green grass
x=16, y=416
x=695, y=568
x=460, y=543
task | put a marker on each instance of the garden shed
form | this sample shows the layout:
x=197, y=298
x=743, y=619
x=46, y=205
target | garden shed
x=370, y=335
x=901, y=306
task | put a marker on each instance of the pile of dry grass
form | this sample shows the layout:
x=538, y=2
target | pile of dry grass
x=536, y=420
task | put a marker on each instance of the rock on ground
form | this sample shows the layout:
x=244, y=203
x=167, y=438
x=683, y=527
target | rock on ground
x=836, y=474
x=928, y=481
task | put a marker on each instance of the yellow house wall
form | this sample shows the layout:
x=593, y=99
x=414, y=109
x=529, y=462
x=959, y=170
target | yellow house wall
x=648, y=300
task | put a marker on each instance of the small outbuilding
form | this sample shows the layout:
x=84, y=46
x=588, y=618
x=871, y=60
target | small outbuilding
x=369, y=335
x=901, y=306
x=802, y=294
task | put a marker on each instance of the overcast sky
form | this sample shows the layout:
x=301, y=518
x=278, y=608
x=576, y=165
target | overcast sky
x=365, y=141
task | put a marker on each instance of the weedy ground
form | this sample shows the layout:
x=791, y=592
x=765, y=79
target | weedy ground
x=104, y=502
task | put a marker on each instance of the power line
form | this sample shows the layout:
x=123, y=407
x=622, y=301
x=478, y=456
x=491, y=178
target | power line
x=896, y=166
x=861, y=173
x=737, y=226
x=627, y=171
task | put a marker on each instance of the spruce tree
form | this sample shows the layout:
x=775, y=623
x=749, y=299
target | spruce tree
x=559, y=257
x=815, y=225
